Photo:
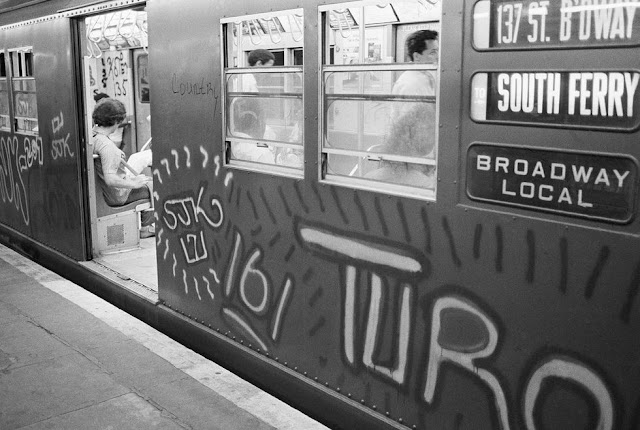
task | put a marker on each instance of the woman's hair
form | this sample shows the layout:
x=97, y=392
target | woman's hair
x=260, y=55
x=109, y=112
x=413, y=133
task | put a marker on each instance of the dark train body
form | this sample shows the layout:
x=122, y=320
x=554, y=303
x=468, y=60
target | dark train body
x=506, y=296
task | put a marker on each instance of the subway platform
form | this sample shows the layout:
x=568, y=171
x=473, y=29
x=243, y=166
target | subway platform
x=70, y=360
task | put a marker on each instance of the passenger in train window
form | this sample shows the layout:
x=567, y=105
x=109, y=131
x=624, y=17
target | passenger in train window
x=419, y=116
x=422, y=46
x=249, y=126
x=119, y=185
x=249, y=116
x=405, y=139
x=257, y=58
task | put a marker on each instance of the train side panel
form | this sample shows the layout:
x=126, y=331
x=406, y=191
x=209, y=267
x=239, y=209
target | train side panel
x=430, y=314
x=40, y=175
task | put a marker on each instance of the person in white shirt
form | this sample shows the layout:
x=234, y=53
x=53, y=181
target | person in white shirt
x=119, y=185
x=422, y=47
x=412, y=132
x=257, y=58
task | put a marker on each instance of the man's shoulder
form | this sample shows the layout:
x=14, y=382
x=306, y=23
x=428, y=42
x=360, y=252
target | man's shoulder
x=414, y=82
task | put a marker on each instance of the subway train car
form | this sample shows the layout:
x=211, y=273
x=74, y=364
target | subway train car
x=382, y=236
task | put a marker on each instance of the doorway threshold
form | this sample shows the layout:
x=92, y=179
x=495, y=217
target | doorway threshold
x=136, y=269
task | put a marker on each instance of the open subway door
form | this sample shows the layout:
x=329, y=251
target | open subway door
x=115, y=65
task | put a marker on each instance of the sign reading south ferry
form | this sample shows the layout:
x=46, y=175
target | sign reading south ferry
x=591, y=99
x=507, y=24
x=595, y=186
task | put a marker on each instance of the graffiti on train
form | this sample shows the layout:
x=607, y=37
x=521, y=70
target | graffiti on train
x=256, y=296
x=60, y=142
x=12, y=183
x=20, y=153
x=115, y=77
x=192, y=88
x=410, y=345
x=187, y=214
x=462, y=334
x=196, y=87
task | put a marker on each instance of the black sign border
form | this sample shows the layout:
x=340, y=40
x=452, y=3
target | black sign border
x=635, y=128
x=538, y=47
x=634, y=203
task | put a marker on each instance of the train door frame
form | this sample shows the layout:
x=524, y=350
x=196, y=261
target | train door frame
x=142, y=107
x=110, y=230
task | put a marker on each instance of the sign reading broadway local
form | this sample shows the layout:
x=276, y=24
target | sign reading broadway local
x=582, y=99
x=593, y=186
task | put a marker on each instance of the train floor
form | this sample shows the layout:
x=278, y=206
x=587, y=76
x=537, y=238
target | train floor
x=138, y=264
x=70, y=360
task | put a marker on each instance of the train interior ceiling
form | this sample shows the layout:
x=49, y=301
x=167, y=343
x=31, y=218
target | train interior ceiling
x=115, y=59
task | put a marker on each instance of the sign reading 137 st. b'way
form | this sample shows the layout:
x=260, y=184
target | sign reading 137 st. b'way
x=593, y=186
x=500, y=24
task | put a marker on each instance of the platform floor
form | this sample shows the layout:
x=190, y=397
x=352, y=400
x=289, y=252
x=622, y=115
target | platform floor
x=70, y=360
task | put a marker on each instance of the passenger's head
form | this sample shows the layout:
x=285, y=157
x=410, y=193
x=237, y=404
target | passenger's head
x=261, y=57
x=249, y=124
x=109, y=112
x=422, y=47
x=413, y=133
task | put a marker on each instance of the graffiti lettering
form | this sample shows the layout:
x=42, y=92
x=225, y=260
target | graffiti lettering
x=194, y=88
x=198, y=250
x=379, y=258
x=261, y=287
x=450, y=316
x=256, y=292
x=25, y=105
x=443, y=349
x=115, y=74
x=57, y=123
x=60, y=146
x=33, y=151
x=566, y=368
x=180, y=211
x=12, y=188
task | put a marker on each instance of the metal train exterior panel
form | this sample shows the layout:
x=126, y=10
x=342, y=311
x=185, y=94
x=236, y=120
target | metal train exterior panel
x=41, y=173
x=486, y=307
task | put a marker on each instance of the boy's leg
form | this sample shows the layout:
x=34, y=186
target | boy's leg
x=140, y=161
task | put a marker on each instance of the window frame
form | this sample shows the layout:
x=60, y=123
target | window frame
x=22, y=77
x=4, y=58
x=228, y=70
x=326, y=69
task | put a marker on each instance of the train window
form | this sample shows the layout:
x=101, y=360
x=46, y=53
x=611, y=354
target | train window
x=263, y=91
x=5, y=121
x=379, y=101
x=24, y=91
x=142, y=75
